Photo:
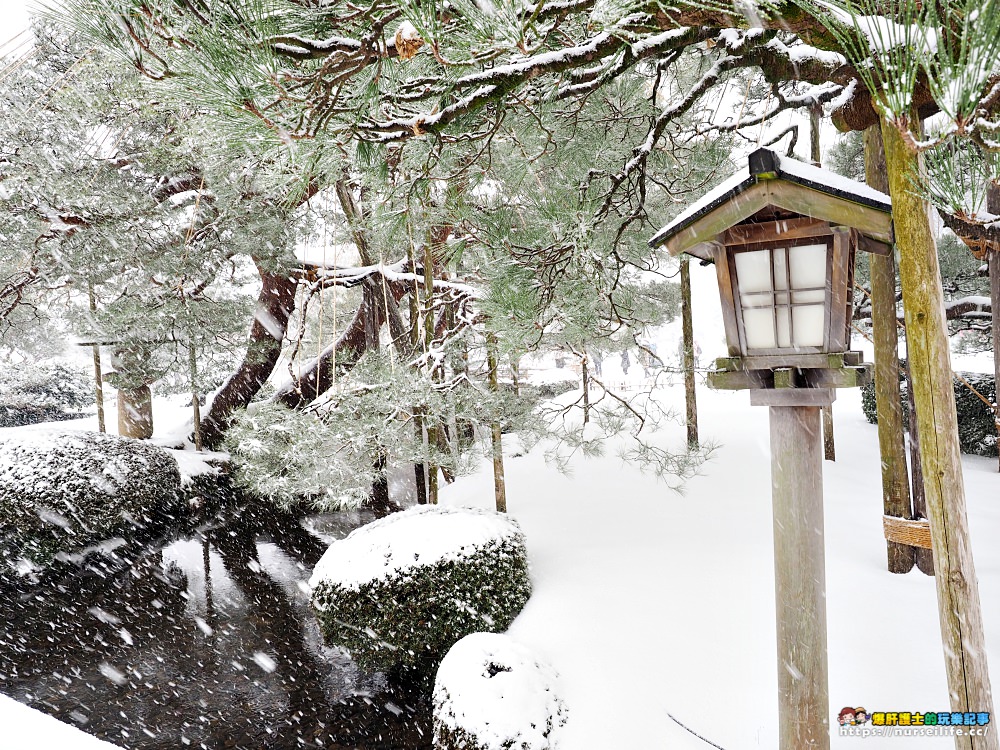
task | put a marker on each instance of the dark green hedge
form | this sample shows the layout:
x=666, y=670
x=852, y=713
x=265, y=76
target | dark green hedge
x=64, y=494
x=976, y=428
x=407, y=621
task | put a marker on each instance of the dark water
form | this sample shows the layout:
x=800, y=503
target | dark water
x=207, y=643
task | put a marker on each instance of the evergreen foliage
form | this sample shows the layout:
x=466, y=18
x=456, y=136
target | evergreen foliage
x=43, y=392
x=406, y=619
x=65, y=495
x=977, y=430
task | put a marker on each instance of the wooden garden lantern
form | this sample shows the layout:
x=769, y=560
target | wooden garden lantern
x=782, y=236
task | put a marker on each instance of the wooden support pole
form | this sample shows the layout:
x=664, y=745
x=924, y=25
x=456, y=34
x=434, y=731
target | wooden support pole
x=98, y=375
x=993, y=258
x=687, y=327
x=499, y=483
x=891, y=442
x=431, y=421
x=586, y=388
x=959, y=609
x=195, y=405
x=829, y=446
x=800, y=578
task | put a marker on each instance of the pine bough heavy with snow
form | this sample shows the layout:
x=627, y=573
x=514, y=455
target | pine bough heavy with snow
x=492, y=693
x=398, y=593
x=63, y=496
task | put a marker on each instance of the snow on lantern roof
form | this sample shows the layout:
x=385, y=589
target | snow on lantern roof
x=785, y=183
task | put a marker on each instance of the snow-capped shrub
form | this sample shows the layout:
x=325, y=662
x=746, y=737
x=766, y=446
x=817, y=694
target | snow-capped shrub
x=42, y=393
x=977, y=434
x=492, y=693
x=399, y=592
x=62, y=494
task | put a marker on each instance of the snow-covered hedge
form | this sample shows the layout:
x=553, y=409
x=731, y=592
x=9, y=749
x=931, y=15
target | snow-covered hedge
x=492, y=693
x=61, y=494
x=43, y=393
x=401, y=591
x=977, y=433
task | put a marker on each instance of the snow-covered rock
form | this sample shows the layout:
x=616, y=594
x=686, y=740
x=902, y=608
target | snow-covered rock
x=492, y=693
x=401, y=591
x=65, y=494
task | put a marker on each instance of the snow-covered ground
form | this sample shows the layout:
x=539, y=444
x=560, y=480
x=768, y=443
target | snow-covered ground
x=652, y=603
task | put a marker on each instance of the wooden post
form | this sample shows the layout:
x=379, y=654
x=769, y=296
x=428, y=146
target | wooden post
x=499, y=483
x=98, y=375
x=891, y=442
x=924, y=557
x=586, y=388
x=829, y=446
x=993, y=258
x=815, y=113
x=687, y=326
x=431, y=421
x=195, y=405
x=800, y=577
x=955, y=578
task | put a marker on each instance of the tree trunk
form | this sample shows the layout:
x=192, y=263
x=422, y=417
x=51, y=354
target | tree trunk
x=891, y=441
x=993, y=258
x=934, y=398
x=586, y=388
x=98, y=376
x=274, y=306
x=431, y=422
x=815, y=113
x=687, y=328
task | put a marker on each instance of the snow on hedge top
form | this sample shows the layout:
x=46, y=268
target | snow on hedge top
x=495, y=689
x=422, y=535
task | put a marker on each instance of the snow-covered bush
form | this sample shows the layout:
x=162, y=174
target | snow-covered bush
x=492, y=693
x=43, y=392
x=61, y=494
x=401, y=591
x=977, y=434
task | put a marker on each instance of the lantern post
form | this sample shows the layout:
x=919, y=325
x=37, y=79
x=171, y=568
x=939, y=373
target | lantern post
x=782, y=236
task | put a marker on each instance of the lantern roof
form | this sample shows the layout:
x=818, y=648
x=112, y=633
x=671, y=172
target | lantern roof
x=771, y=188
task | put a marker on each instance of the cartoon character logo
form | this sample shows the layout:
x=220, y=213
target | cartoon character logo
x=860, y=715
x=846, y=717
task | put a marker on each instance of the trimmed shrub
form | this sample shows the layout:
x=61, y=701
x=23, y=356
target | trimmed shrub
x=977, y=434
x=62, y=495
x=492, y=693
x=402, y=590
x=43, y=393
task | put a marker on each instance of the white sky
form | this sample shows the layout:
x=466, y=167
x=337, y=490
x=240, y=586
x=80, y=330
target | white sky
x=13, y=17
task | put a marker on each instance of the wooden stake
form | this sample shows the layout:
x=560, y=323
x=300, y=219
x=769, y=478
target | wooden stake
x=934, y=397
x=98, y=375
x=993, y=258
x=687, y=327
x=891, y=442
x=499, y=483
x=800, y=578
x=195, y=406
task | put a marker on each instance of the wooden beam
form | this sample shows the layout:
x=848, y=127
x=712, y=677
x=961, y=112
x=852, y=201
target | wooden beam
x=785, y=229
x=807, y=202
x=732, y=212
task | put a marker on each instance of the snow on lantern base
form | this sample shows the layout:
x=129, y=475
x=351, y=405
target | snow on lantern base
x=399, y=592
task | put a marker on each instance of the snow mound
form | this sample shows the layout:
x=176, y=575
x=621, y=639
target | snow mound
x=399, y=592
x=39, y=731
x=492, y=693
x=65, y=494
